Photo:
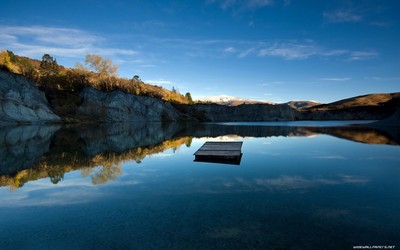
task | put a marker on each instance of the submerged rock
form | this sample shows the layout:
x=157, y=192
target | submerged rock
x=22, y=102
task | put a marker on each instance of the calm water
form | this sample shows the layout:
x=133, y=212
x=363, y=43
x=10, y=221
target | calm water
x=135, y=186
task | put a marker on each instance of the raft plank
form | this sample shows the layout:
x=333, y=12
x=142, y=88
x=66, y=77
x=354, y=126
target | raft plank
x=221, y=152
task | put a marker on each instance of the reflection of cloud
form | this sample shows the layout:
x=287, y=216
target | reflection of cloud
x=162, y=155
x=353, y=179
x=57, y=196
x=271, y=153
x=331, y=213
x=287, y=182
x=330, y=157
x=383, y=158
x=298, y=182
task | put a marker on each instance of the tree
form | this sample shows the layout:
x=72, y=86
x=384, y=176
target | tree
x=136, y=78
x=189, y=97
x=103, y=66
x=49, y=65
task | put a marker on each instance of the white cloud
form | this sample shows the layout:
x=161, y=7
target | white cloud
x=148, y=66
x=34, y=41
x=342, y=16
x=241, y=4
x=246, y=52
x=230, y=50
x=296, y=50
x=289, y=51
x=362, y=55
x=159, y=81
x=339, y=79
x=258, y=3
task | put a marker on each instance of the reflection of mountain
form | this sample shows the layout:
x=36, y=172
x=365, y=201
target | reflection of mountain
x=384, y=135
x=34, y=152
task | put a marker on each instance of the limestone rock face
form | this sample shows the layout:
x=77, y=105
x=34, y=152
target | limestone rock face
x=22, y=102
x=242, y=113
x=393, y=120
x=117, y=106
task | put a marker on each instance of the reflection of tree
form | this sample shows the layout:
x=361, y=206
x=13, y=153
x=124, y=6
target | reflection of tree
x=107, y=173
x=56, y=173
x=189, y=142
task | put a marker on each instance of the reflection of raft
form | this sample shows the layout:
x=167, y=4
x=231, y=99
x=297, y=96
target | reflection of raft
x=220, y=152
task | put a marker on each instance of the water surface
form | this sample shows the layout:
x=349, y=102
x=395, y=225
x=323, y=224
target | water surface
x=136, y=186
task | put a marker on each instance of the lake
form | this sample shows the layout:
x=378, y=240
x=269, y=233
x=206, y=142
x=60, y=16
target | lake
x=136, y=186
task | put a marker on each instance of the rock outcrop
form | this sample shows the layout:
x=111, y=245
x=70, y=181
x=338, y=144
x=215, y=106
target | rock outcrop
x=22, y=102
x=117, y=106
x=241, y=113
x=391, y=121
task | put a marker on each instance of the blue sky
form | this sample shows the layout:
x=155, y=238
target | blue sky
x=277, y=50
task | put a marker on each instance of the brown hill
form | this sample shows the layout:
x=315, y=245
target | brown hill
x=391, y=99
x=365, y=107
x=302, y=104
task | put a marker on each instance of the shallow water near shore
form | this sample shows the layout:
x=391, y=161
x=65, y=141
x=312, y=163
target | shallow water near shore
x=136, y=186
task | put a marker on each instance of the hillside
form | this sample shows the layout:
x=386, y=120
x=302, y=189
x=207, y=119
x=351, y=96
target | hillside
x=371, y=100
x=54, y=79
x=299, y=105
x=365, y=107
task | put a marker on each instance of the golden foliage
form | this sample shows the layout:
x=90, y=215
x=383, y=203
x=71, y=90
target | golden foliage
x=102, y=167
x=75, y=79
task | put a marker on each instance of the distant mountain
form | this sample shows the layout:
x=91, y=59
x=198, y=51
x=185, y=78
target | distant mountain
x=371, y=100
x=299, y=105
x=230, y=100
x=365, y=107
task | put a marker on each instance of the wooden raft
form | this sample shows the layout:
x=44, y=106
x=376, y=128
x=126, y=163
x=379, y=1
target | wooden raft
x=220, y=152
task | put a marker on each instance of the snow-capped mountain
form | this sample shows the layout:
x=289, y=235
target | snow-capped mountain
x=230, y=100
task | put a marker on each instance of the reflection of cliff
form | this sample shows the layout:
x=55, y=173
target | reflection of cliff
x=22, y=146
x=213, y=130
x=388, y=135
x=34, y=152
x=104, y=147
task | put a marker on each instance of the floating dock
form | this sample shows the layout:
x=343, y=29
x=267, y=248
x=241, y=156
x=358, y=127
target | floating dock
x=220, y=152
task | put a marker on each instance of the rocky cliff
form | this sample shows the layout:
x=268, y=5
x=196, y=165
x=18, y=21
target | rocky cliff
x=241, y=113
x=117, y=106
x=22, y=102
x=393, y=120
